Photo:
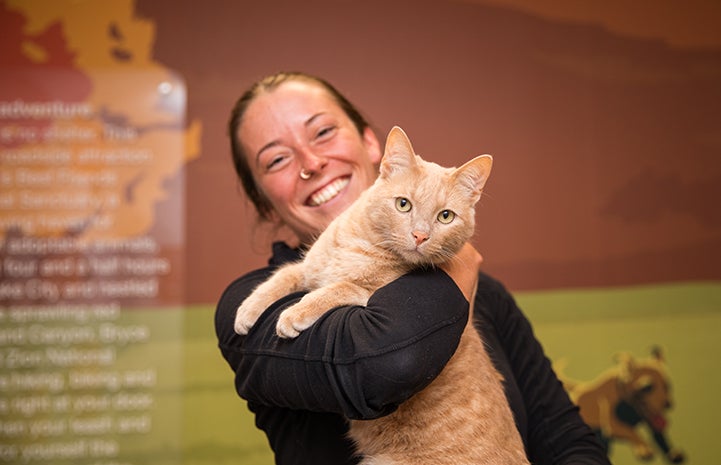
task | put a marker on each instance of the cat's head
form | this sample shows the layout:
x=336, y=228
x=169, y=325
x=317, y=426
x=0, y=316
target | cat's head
x=422, y=211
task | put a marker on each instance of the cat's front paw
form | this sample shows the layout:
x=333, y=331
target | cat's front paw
x=295, y=320
x=245, y=318
x=285, y=327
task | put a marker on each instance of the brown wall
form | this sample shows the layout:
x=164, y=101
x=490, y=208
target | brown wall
x=605, y=123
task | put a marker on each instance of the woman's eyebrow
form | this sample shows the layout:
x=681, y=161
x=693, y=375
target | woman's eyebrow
x=310, y=120
x=267, y=146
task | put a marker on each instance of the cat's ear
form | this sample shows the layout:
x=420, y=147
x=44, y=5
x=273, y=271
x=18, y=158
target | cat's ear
x=474, y=174
x=399, y=155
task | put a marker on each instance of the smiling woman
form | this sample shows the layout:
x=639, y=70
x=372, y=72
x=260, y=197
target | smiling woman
x=304, y=155
x=302, y=151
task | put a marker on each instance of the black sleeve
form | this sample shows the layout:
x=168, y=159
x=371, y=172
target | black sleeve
x=361, y=362
x=554, y=432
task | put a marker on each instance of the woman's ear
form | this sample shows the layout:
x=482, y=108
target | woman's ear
x=372, y=145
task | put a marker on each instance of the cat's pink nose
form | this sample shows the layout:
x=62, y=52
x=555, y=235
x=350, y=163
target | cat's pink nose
x=420, y=237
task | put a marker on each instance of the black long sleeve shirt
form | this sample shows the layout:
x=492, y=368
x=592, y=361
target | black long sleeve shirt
x=362, y=362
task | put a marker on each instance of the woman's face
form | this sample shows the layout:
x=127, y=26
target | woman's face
x=299, y=126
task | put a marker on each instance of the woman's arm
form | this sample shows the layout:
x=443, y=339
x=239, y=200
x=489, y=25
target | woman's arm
x=361, y=362
x=555, y=433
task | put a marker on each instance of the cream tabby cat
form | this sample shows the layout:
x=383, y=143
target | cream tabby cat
x=416, y=214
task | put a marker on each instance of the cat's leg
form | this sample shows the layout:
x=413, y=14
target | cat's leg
x=286, y=280
x=300, y=316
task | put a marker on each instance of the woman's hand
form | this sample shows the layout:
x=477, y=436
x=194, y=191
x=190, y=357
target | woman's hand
x=463, y=269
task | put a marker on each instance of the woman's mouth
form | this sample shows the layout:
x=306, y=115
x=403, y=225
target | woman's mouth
x=328, y=192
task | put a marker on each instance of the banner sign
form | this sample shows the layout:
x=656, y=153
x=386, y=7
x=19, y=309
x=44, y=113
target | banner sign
x=91, y=239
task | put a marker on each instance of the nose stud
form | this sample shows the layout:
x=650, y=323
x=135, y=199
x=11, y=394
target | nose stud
x=305, y=175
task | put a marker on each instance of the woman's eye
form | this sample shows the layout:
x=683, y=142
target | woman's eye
x=403, y=204
x=276, y=162
x=325, y=132
x=446, y=216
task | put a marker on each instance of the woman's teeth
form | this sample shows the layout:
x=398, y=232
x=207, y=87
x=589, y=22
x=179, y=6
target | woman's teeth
x=328, y=192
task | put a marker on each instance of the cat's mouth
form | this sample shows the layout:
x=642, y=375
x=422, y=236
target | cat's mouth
x=328, y=192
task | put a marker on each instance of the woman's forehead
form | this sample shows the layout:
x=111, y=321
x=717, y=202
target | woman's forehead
x=297, y=95
x=289, y=105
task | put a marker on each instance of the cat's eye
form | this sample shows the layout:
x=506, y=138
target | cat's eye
x=403, y=204
x=446, y=216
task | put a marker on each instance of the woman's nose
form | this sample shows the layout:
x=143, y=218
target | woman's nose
x=312, y=161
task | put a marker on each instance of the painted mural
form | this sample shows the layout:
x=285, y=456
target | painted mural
x=605, y=125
